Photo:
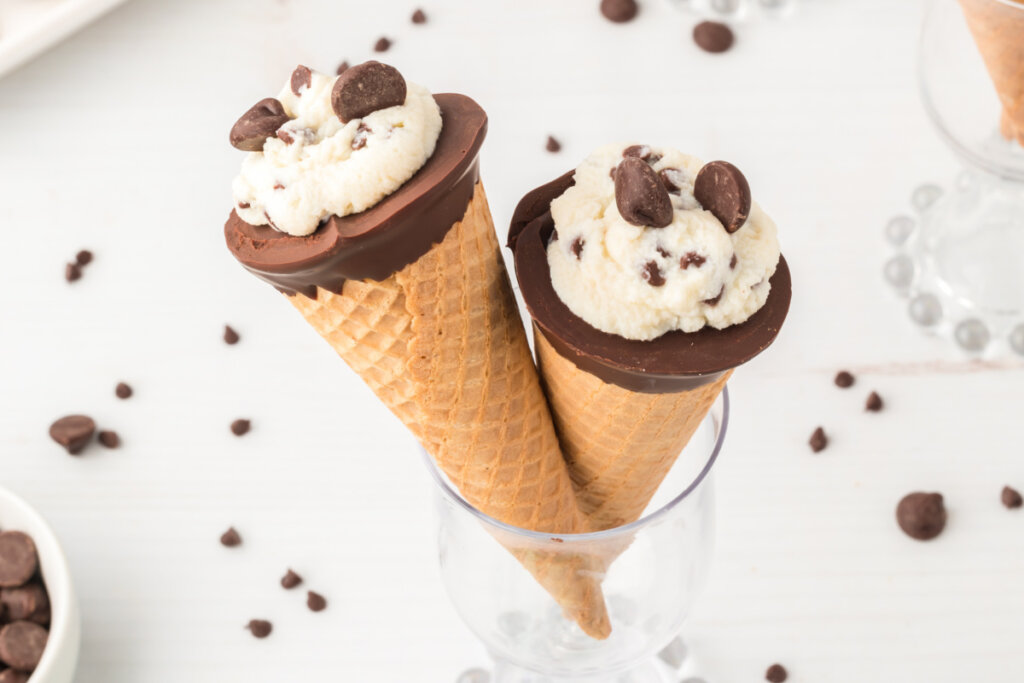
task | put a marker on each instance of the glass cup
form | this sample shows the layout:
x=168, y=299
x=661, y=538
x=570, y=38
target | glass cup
x=653, y=570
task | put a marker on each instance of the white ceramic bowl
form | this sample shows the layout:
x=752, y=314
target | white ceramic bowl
x=61, y=654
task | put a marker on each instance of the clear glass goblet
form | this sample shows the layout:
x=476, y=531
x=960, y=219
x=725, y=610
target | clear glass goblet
x=655, y=568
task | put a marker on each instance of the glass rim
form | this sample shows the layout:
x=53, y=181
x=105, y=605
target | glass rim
x=450, y=494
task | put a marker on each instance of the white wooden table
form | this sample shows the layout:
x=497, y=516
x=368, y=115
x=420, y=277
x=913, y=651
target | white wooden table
x=117, y=141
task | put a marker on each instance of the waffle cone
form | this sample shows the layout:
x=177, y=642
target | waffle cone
x=619, y=444
x=441, y=343
x=998, y=30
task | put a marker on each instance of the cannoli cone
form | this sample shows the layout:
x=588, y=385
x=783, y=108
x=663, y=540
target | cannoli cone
x=442, y=344
x=998, y=30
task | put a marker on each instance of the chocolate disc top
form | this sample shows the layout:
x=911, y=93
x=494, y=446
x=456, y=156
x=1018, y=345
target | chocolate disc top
x=675, y=361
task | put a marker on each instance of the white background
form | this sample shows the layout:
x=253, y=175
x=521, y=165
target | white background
x=117, y=141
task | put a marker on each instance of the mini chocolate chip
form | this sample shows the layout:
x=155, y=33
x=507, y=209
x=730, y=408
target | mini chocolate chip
x=553, y=145
x=732, y=262
x=712, y=36
x=84, y=257
x=251, y=131
x=382, y=45
x=240, y=427
x=713, y=301
x=278, y=186
x=285, y=136
x=109, y=438
x=874, y=403
x=577, y=247
x=721, y=189
x=123, y=390
x=22, y=644
x=652, y=274
x=818, y=440
x=1011, y=498
x=315, y=601
x=291, y=580
x=419, y=17
x=231, y=337
x=922, y=516
x=639, y=195
x=619, y=11
x=73, y=432
x=342, y=68
x=691, y=258
x=18, y=559
x=663, y=253
x=844, y=380
x=366, y=88
x=231, y=538
x=362, y=134
x=244, y=205
x=302, y=77
x=776, y=674
x=72, y=272
x=260, y=628
x=672, y=179
x=641, y=152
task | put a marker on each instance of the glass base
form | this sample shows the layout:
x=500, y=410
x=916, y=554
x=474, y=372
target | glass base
x=652, y=671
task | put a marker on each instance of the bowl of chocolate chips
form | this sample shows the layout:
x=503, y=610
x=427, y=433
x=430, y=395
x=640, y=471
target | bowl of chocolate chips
x=40, y=625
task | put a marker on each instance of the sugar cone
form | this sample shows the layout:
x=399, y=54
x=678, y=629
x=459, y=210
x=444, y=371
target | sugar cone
x=442, y=344
x=998, y=30
x=619, y=444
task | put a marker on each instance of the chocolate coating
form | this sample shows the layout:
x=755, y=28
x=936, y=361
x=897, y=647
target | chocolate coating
x=675, y=361
x=385, y=238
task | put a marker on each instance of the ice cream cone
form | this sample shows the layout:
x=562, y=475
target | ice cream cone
x=998, y=30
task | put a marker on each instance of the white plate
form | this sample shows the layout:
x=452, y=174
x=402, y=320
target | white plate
x=28, y=27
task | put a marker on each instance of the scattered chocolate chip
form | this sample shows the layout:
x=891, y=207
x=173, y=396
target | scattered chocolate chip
x=367, y=88
x=18, y=559
x=231, y=538
x=230, y=336
x=844, y=380
x=24, y=602
x=419, y=17
x=776, y=674
x=652, y=274
x=1011, y=498
x=874, y=403
x=13, y=676
x=22, y=644
x=302, y=77
x=382, y=45
x=553, y=145
x=315, y=602
x=240, y=427
x=291, y=580
x=577, y=247
x=251, y=131
x=639, y=195
x=691, y=258
x=818, y=440
x=619, y=11
x=641, y=152
x=73, y=432
x=363, y=133
x=672, y=179
x=72, y=272
x=922, y=516
x=732, y=262
x=342, y=68
x=712, y=36
x=84, y=257
x=260, y=628
x=109, y=439
x=713, y=301
x=123, y=390
x=721, y=189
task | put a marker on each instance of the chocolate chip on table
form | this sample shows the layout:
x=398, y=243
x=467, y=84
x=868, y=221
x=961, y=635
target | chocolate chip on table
x=260, y=628
x=419, y=17
x=231, y=538
x=1011, y=498
x=776, y=674
x=652, y=274
x=367, y=88
x=640, y=197
x=619, y=11
x=251, y=131
x=577, y=247
x=315, y=602
x=73, y=432
x=84, y=257
x=22, y=644
x=691, y=258
x=13, y=676
x=722, y=189
x=290, y=580
x=241, y=427
x=382, y=45
x=123, y=391
x=230, y=336
x=553, y=145
x=109, y=439
x=844, y=380
x=302, y=77
x=72, y=272
x=342, y=68
x=24, y=602
x=818, y=440
x=874, y=403
x=18, y=559
x=712, y=36
x=922, y=516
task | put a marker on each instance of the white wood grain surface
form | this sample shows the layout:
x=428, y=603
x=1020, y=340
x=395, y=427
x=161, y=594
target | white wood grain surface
x=117, y=140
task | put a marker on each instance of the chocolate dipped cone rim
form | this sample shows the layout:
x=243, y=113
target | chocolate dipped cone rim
x=675, y=361
x=385, y=238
